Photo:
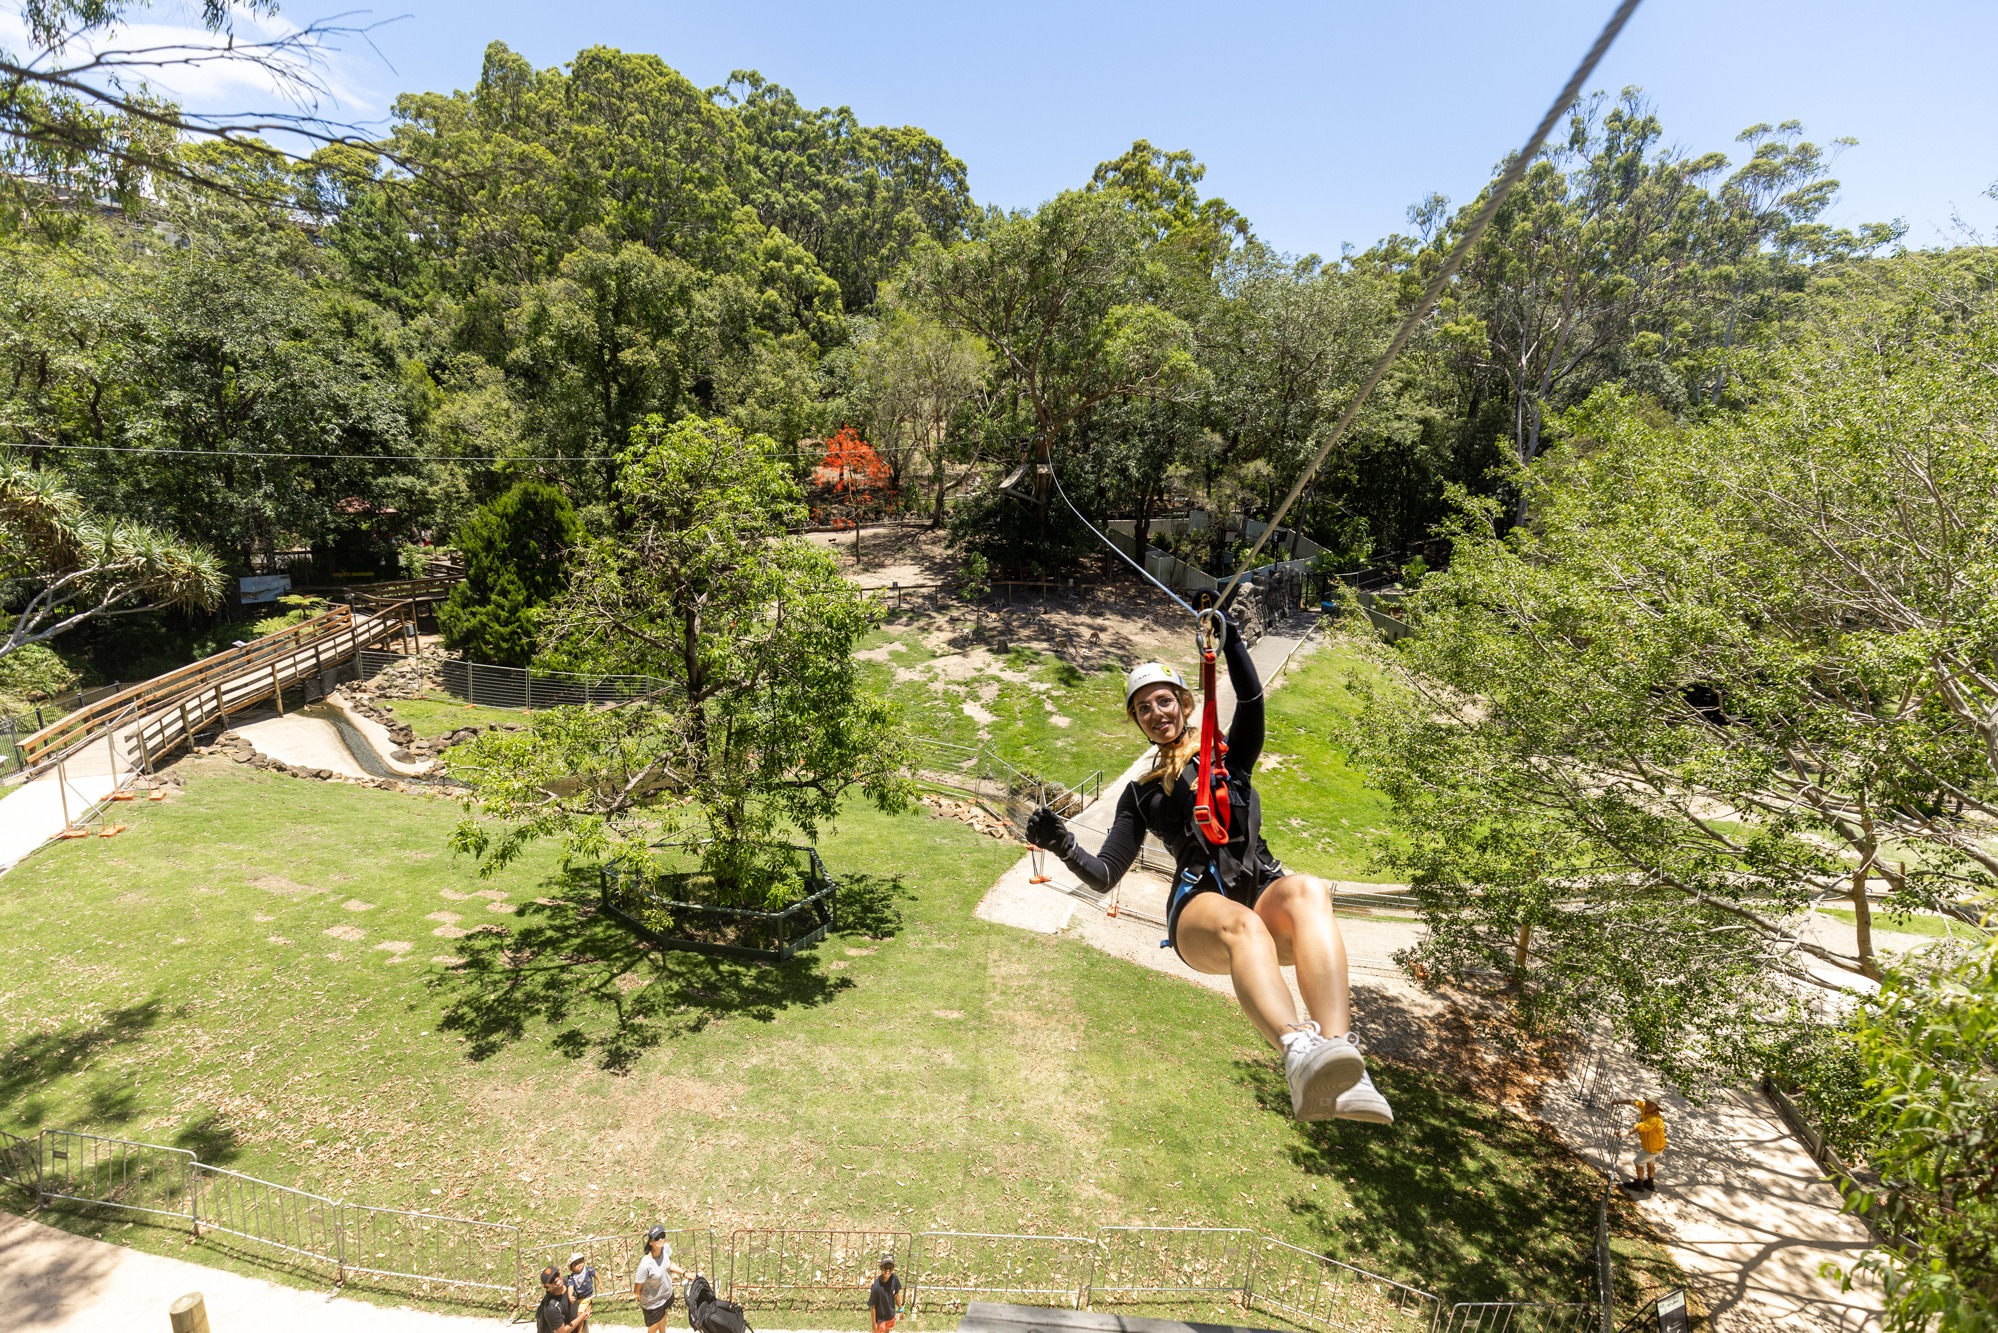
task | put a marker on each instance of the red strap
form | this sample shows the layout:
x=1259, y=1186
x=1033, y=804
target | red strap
x=1210, y=788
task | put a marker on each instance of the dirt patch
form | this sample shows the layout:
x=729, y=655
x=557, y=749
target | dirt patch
x=444, y=918
x=448, y=932
x=497, y=906
x=351, y=934
x=278, y=884
x=356, y=905
x=966, y=812
x=396, y=947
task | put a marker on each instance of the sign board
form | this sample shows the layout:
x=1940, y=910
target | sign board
x=1672, y=1316
x=258, y=588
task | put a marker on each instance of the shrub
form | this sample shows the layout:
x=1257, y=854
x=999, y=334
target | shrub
x=516, y=553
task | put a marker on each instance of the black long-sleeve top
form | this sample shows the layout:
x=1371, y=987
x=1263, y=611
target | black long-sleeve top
x=1169, y=816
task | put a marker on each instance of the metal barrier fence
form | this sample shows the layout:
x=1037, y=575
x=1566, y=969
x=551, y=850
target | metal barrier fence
x=615, y=1258
x=1516, y=1317
x=1605, y=1263
x=810, y=1267
x=1310, y=1289
x=20, y=1161
x=944, y=1270
x=428, y=1248
x=1151, y=1265
x=278, y=1217
x=954, y=1268
x=114, y=1173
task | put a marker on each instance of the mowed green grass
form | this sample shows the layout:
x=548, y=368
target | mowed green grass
x=1319, y=814
x=1041, y=714
x=437, y=714
x=922, y=1069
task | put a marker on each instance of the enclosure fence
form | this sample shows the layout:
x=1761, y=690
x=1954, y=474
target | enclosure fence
x=466, y=1259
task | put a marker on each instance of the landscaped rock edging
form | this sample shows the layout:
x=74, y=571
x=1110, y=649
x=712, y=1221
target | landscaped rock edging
x=235, y=746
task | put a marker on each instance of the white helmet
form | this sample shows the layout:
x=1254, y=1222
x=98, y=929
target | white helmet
x=1150, y=673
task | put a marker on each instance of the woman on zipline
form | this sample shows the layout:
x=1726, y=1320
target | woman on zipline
x=1233, y=908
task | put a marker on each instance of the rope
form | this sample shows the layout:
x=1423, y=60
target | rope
x=1513, y=172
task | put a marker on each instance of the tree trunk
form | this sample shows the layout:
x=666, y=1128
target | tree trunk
x=1862, y=922
x=1519, y=949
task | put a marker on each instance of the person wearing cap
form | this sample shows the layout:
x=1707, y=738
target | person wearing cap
x=653, y=1282
x=1233, y=909
x=884, y=1298
x=557, y=1312
x=582, y=1279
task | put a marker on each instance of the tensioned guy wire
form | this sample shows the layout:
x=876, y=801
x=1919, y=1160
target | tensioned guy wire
x=1143, y=573
x=1434, y=292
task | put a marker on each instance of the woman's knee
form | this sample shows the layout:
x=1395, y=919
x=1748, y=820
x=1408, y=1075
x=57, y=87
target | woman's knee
x=1296, y=896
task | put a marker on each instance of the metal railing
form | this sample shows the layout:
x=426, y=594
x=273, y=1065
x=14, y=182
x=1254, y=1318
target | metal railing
x=1120, y=1266
x=615, y=1256
x=1152, y=1265
x=175, y=704
x=953, y=1268
x=279, y=1217
x=1007, y=792
x=1516, y=1317
x=809, y=1267
x=1316, y=1292
x=114, y=1173
x=429, y=1248
x=1605, y=1262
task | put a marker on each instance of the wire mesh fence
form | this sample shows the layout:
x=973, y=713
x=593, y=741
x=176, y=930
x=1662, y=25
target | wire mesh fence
x=953, y=1268
x=274, y=1217
x=810, y=1269
x=429, y=1249
x=518, y=687
x=114, y=1173
x=1321, y=1293
x=1167, y=1265
x=1516, y=1317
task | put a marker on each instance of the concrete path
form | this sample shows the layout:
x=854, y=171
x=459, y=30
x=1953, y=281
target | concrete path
x=53, y=1281
x=35, y=811
x=1740, y=1204
x=303, y=742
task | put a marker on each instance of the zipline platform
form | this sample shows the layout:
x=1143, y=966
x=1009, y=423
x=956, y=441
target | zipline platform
x=991, y=1317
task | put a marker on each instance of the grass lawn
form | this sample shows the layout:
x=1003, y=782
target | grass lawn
x=252, y=970
x=436, y=714
x=1318, y=812
x=1036, y=711
x=1910, y=923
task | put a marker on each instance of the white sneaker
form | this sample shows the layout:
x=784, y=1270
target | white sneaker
x=1363, y=1102
x=1319, y=1068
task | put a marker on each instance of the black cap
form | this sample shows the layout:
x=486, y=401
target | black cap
x=657, y=1233
x=549, y=1275
x=887, y=1261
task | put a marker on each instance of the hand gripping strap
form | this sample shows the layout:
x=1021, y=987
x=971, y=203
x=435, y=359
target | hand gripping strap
x=1210, y=787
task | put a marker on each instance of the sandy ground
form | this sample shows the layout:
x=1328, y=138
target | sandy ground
x=886, y=554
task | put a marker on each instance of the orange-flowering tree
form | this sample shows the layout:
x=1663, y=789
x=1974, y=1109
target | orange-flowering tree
x=854, y=473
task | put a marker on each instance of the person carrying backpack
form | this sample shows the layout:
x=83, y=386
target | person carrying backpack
x=1234, y=910
x=884, y=1298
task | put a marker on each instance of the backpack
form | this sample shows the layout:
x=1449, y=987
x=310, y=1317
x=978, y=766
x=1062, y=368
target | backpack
x=709, y=1313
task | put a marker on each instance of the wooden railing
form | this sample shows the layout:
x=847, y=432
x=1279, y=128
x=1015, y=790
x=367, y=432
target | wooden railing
x=228, y=682
x=403, y=590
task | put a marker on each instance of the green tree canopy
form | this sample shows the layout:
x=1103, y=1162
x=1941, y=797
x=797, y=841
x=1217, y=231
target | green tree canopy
x=516, y=551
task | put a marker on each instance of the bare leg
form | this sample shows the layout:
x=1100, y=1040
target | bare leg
x=1298, y=911
x=1221, y=937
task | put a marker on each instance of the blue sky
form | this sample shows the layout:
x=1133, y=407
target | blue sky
x=1322, y=122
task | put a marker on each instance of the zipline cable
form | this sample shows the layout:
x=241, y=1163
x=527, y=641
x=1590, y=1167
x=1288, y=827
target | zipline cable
x=1513, y=172
x=1143, y=573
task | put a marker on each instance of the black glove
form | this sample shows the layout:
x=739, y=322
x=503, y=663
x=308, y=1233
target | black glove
x=1046, y=829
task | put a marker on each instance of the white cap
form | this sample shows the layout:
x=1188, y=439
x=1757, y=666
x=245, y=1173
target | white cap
x=1150, y=673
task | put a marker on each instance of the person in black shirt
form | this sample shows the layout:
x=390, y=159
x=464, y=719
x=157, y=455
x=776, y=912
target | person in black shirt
x=557, y=1313
x=885, y=1296
x=1233, y=909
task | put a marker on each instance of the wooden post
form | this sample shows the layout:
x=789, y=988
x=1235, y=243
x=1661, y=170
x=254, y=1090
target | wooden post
x=145, y=755
x=277, y=690
x=62, y=790
x=186, y=731
x=189, y=1314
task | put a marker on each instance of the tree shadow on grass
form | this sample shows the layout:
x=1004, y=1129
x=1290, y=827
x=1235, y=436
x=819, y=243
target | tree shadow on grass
x=32, y=1064
x=604, y=992
x=1459, y=1197
x=871, y=905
